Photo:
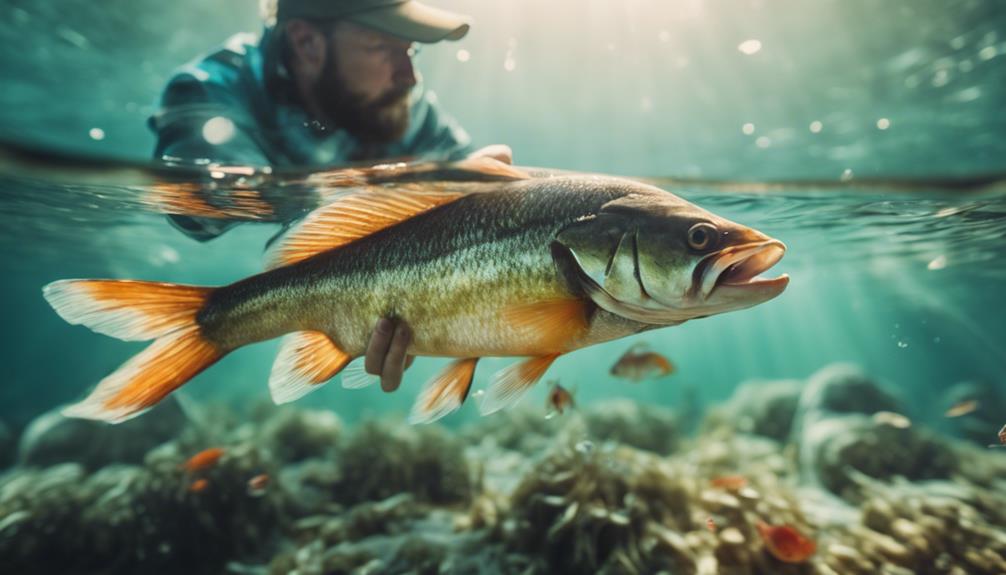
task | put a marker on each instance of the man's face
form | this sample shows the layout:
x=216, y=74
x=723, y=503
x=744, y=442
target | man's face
x=366, y=81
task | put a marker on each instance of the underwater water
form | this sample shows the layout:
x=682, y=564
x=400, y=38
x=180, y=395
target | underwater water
x=858, y=407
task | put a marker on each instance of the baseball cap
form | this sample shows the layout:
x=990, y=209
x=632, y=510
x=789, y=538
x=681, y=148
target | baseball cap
x=406, y=19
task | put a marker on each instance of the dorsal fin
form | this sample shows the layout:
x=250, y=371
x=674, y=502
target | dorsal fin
x=353, y=216
x=359, y=212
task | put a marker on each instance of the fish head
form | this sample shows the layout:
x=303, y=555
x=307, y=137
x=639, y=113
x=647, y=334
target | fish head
x=656, y=258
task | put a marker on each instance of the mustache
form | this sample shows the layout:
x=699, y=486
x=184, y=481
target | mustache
x=392, y=98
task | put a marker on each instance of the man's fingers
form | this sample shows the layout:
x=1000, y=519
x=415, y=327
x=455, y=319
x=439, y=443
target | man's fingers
x=501, y=152
x=380, y=340
x=394, y=361
x=408, y=361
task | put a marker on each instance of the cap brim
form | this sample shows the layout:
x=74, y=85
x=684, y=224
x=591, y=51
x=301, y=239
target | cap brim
x=416, y=22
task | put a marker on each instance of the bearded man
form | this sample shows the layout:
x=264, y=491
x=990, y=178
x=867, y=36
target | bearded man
x=329, y=82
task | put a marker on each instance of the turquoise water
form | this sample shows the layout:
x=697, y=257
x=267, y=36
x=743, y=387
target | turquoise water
x=866, y=135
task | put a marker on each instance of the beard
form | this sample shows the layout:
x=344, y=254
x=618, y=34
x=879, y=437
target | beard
x=381, y=121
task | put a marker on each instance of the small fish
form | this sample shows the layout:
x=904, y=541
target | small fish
x=479, y=258
x=199, y=485
x=962, y=408
x=785, y=543
x=729, y=482
x=710, y=525
x=893, y=419
x=203, y=460
x=559, y=399
x=257, y=485
x=637, y=365
x=1002, y=438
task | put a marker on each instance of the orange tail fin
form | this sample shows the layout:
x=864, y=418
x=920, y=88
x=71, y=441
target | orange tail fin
x=136, y=310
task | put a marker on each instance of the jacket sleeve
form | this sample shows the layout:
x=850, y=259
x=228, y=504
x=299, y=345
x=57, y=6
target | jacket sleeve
x=200, y=121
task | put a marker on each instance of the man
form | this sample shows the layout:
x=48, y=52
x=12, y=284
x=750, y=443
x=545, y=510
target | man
x=329, y=82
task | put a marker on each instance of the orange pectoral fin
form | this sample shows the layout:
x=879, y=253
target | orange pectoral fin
x=510, y=384
x=549, y=326
x=444, y=393
x=306, y=360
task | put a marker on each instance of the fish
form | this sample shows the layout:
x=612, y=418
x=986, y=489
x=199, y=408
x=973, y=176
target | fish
x=258, y=484
x=729, y=482
x=559, y=400
x=962, y=408
x=199, y=485
x=1002, y=438
x=495, y=261
x=637, y=365
x=203, y=460
x=711, y=524
x=785, y=543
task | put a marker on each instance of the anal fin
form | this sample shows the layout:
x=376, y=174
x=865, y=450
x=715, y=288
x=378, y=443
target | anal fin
x=306, y=360
x=445, y=392
x=511, y=383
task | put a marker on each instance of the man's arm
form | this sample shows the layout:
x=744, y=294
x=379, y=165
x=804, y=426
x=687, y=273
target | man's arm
x=202, y=121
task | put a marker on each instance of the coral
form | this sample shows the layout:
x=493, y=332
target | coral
x=382, y=459
x=928, y=528
x=127, y=519
x=619, y=510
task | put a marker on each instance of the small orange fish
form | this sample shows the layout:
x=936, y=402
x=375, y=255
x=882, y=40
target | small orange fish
x=204, y=459
x=637, y=365
x=559, y=399
x=962, y=408
x=785, y=543
x=729, y=482
x=257, y=484
x=710, y=525
x=1002, y=438
x=199, y=485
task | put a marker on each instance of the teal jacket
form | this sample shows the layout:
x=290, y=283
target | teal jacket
x=264, y=126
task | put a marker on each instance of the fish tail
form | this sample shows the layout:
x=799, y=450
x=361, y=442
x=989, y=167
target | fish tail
x=137, y=311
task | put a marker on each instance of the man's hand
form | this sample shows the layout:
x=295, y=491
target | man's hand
x=386, y=352
x=500, y=152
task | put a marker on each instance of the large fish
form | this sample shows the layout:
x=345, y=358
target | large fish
x=486, y=261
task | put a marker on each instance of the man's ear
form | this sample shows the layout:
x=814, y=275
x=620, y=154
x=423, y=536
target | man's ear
x=309, y=48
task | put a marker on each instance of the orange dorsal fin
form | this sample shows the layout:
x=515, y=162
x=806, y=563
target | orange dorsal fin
x=551, y=325
x=355, y=215
x=445, y=392
x=306, y=360
x=511, y=383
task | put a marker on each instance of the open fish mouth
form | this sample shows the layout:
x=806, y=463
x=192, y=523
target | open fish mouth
x=737, y=267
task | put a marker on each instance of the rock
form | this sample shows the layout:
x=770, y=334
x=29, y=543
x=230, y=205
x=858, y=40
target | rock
x=837, y=438
x=53, y=438
x=762, y=407
x=844, y=388
x=628, y=422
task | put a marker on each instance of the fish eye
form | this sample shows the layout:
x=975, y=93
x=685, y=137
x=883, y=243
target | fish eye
x=702, y=236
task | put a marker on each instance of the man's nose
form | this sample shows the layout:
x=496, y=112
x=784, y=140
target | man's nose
x=405, y=72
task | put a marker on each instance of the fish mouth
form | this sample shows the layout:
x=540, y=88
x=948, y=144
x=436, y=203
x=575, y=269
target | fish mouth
x=737, y=268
